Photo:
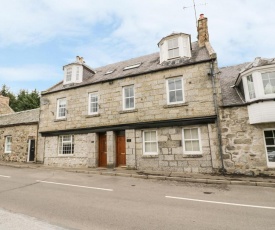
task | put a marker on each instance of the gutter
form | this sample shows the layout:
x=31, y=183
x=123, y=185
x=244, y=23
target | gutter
x=212, y=75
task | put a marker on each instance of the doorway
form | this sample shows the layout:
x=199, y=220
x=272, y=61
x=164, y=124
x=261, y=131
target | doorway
x=31, y=150
x=102, y=150
x=120, y=149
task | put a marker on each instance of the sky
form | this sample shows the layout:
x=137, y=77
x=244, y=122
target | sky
x=39, y=37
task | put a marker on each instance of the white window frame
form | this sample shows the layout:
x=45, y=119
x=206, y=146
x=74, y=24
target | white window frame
x=258, y=84
x=199, y=139
x=124, y=97
x=173, y=48
x=267, y=72
x=251, y=92
x=8, y=141
x=69, y=73
x=168, y=91
x=59, y=108
x=61, y=143
x=144, y=141
x=269, y=164
x=90, y=103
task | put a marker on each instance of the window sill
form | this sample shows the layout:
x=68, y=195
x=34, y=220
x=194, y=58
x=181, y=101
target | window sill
x=7, y=152
x=60, y=119
x=150, y=156
x=199, y=155
x=92, y=115
x=65, y=155
x=128, y=111
x=175, y=105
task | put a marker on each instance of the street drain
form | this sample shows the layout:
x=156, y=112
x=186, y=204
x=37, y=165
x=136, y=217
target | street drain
x=207, y=192
x=133, y=185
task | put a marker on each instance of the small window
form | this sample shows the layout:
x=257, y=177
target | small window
x=77, y=73
x=128, y=97
x=173, y=48
x=191, y=141
x=109, y=72
x=132, y=66
x=251, y=88
x=150, y=144
x=61, y=108
x=269, y=82
x=270, y=145
x=69, y=74
x=8, y=144
x=175, y=90
x=93, y=103
x=66, y=145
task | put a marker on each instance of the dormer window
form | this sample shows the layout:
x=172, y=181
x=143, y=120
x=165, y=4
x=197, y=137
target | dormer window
x=69, y=74
x=269, y=82
x=173, y=48
x=132, y=66
x=259, y=84
x=73, y=72
x=176, y=45
x=251, y=88
x=77, y=73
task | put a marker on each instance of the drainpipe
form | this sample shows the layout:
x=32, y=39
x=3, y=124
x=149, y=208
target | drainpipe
x=212, y=75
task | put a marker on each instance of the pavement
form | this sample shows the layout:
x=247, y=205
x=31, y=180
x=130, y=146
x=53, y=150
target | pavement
x=159, y=175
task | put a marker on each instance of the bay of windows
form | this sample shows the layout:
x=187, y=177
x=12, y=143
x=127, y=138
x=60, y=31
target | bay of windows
x=173, y=48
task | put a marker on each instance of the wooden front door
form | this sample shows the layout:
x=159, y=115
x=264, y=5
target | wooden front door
x=102, y=151
x=121, y=149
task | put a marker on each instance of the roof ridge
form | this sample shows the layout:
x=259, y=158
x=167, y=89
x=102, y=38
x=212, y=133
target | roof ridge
x=15, y=113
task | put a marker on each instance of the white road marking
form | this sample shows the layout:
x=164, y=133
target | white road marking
x=5, y=176
x=225, y=203
x=73, y=185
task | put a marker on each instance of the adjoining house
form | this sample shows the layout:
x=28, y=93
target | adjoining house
x=248, y=117
x=18, y=133
x=156, y=112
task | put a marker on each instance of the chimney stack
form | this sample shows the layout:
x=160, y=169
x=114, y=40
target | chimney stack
x=80, y=60
x=203, y=35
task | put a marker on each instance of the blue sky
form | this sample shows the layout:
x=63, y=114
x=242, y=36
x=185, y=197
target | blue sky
x=38, y=37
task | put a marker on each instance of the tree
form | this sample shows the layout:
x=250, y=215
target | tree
x=23, y=101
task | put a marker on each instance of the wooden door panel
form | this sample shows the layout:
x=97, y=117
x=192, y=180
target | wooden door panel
x=121, y=151
x=102, y=151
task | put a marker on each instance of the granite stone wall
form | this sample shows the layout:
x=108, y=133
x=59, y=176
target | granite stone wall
x=243, y=144
x=150, y=100
x=21, y=134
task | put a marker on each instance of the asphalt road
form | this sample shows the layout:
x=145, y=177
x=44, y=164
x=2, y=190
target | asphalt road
x=85, y=201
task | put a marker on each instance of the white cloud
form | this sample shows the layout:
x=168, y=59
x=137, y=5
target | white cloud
x=29, y=73
x=239, y=29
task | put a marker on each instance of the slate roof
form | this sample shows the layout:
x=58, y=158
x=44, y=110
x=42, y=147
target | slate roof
x=19, y=118
x=149, y=63
x=228, y=78
x=259, y=62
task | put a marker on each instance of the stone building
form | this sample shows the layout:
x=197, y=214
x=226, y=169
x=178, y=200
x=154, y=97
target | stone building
x=248, y=117
x=4, y=105
x=18, y=135
x=155, y=112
